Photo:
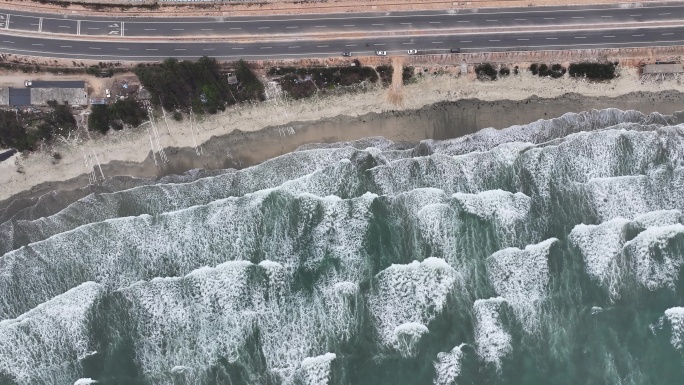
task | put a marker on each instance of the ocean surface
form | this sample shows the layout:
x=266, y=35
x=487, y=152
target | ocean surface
x=550, y=253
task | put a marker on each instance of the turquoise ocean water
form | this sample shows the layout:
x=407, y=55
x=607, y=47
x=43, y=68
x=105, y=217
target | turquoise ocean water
x=550, y=253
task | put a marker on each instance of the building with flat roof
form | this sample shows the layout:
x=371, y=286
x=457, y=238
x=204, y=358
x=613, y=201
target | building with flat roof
x=39, y=93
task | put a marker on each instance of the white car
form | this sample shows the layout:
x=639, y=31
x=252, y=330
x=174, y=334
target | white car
x=381, y=53
x=108, y=93
x=412, y=51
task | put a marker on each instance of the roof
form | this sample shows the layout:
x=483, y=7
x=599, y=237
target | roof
x=58, y=84
x=71, y=96
x=663, y=69
x=19, y=96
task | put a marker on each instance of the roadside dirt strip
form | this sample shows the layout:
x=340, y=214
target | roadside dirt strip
x=291, y=7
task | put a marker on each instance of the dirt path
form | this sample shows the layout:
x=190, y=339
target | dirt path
x=395, y=94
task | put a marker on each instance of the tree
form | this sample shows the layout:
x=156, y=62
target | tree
x=99, y=119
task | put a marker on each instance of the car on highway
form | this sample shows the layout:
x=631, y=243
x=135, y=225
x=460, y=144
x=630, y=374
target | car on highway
x=412, y=51
x=381, y=53
x=455, y=50
x=346, y=53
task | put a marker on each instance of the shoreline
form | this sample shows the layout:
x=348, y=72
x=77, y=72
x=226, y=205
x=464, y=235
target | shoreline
x=437, y=107
x=439, y=121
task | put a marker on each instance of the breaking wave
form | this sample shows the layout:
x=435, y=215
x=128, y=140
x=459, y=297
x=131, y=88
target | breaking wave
x=550, y=252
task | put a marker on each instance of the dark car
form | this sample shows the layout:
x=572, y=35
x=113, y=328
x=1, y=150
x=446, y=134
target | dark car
x=346, y=53
x=455, y=50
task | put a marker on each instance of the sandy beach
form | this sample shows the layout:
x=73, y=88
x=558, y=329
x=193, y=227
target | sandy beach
x=435, y=106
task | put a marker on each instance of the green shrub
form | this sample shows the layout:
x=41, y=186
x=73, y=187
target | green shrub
x=534, y=67
x=485, y=72
x=593, y=71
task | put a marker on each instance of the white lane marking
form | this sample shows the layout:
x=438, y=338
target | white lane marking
x=94, y=47
x=406, y=43
x=36, y=44
x=236, y=48
x=434, y=22
x=265, y=47
x=204, y=29
x=437, y=42
x=151, y=49
x=150, y=29
x=263, y=27
x=294, y=46
x=123, y=49
x=294, y=26
x=6, y=41
x=494, y=40
x=665, y=13
x=236, y=28
x=179, y=49
x=491, y=20
x=638, y=35
x=349, y=25
x=638, y=14
x=64, y=46
x=380, y=44
x=609, y=36
x=406, y=23
x=36, y=24
x=523, y=39
x=463, y=21
x=669, y=33
x=580, y=37
x=319, y=46
x=64, y=26
x=520, y=19
x=97, y=28
x=350, y=45
x=466, y=41
x=208, y=49
x=322, y=26
x=606, y=16
x=549, y=18
x=551, y=38
x=578, y=17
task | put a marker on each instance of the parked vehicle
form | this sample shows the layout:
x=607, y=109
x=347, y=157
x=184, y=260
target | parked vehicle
x=412, y=51
x=455, y=50
x=346, y=53
x=381, y=53
x=108, y=93
x=27, y=83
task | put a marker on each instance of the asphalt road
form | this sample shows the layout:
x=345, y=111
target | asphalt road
x=108, y=50
x=330, y=23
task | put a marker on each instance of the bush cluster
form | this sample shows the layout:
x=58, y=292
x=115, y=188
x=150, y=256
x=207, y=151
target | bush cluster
x=201, y=85
x=486, y=71
x=23, y=130
x=103, y=117
x=593, y=71
x=304, y=82
x=543, y=70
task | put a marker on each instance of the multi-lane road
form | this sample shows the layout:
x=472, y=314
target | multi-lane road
x=80, y=37
x=324, y=24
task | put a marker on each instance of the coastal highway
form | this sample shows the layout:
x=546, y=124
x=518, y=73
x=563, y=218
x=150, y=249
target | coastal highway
x=110, y=50
x=385, y=22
